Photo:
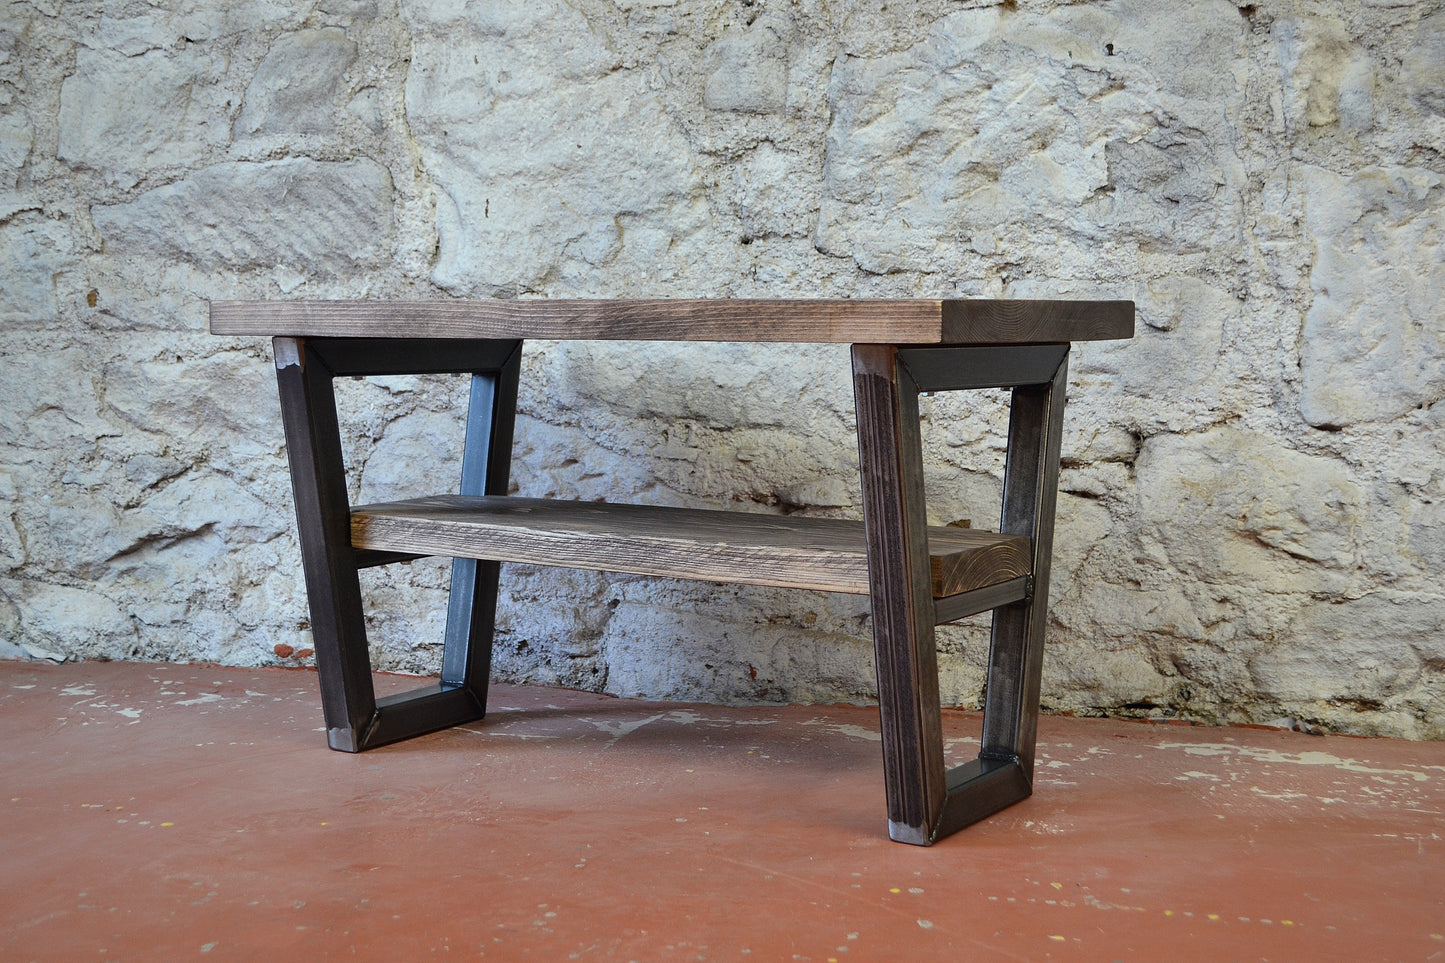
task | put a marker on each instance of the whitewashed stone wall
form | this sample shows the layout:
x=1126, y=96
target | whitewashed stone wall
x=1253, y=519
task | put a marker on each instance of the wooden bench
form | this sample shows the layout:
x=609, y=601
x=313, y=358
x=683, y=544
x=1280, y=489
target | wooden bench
x=915, y=576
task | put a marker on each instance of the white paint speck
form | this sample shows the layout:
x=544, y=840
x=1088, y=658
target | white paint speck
x=619, y=730
x=847, y=729
x=201, y=699
x=1312, y=758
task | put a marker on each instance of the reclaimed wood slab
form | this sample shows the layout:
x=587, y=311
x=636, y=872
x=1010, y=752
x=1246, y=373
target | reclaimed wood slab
x=826, y=554
x=843, y=321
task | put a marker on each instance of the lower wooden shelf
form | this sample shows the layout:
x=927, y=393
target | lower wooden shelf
x=826, y=554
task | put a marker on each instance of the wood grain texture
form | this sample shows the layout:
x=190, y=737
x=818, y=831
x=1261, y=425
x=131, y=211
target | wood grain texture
x=842, y=321
x=1031, y=322
x=825, y=554
x=991, y=561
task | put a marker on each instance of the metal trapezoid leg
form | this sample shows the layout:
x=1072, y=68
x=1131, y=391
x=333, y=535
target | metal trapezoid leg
x=926, y=802
x=1031, y=484
x=900, y=590
x=355, y=718
x=323, y=520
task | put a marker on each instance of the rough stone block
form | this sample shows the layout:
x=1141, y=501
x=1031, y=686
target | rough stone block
x=1373, y=347
x=66, y=619
x=1315, y=54
x=298, y=87
x=314, y=216
x=748, y=72
x=1423, y=63
x=16, y=138
x=522, y=202
x=34, y=252
x=1177, y=346
x=1009, y=131
x=1232, y=504
x=1376, y=651
x=50, y=402
x=12, y=547
x=774, y=192
x=130, y=116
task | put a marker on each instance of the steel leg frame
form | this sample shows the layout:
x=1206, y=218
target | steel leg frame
x=355, y=719
x=925, y=801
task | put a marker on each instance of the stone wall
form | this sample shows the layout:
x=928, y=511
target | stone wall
x=1252, y=522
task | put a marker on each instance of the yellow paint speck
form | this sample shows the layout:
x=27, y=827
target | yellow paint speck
x=1058, y=938
x=1168, y=912
x=1286, y=922
x=1057, y=886
x=164, y=825
x=1214, y=916
x=1437, y=936
x=895, y=890
x=326, y=824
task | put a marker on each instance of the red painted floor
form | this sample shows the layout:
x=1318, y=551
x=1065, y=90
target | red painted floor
x=160, y=812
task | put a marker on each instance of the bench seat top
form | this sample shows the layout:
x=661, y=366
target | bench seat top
x=847, y=321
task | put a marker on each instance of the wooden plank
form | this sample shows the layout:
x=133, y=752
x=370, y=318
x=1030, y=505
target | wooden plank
x=1035, y=322
x=843, y=321
x=826, y=554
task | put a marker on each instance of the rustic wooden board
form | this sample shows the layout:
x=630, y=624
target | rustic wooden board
x=841, y=321
x=826, y=554
x=1031, y=322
